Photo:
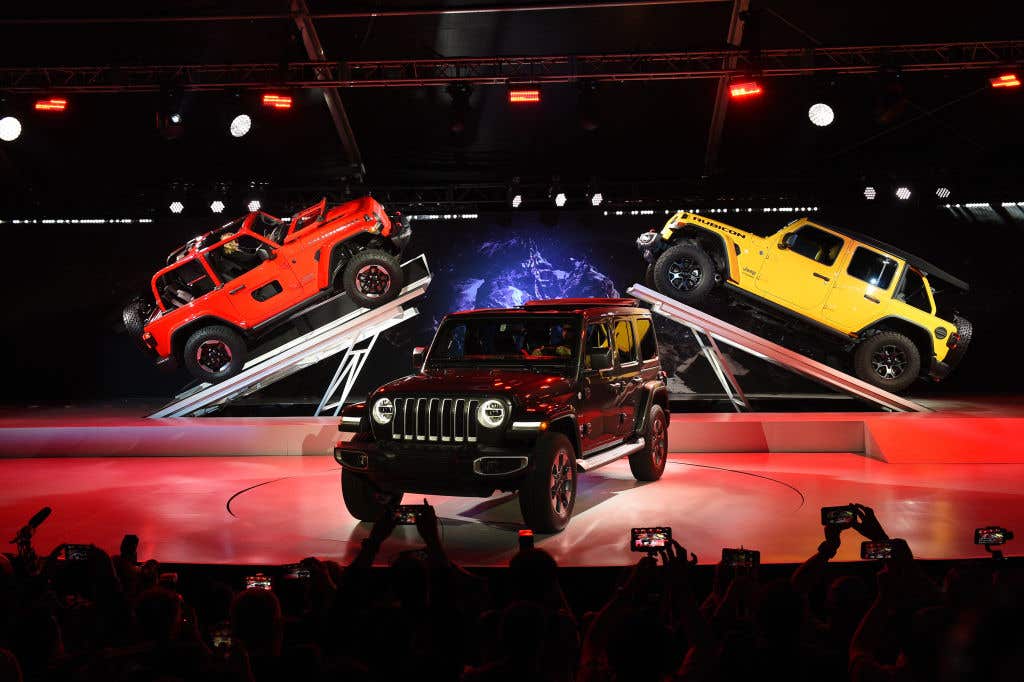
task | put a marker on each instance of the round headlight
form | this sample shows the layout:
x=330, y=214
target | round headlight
x=383, y=411
x=491, y=413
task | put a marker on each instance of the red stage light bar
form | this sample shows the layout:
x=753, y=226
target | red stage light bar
x=524, y=96
x=277, y=101
x=51, y=104
x=746, y=89
x=1007, y=80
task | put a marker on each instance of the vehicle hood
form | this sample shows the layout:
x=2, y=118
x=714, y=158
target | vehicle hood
x=528, y=387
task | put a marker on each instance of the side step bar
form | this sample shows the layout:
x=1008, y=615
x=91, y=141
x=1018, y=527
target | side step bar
x=609, y=456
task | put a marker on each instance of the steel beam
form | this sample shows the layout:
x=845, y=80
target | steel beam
x=734, y=37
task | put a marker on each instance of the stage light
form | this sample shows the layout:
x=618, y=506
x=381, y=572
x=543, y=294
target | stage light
x=254, y=205
x=870, y=193
x=745, y=89
x=517, y=200
x=51, y=104
x=942, y=192
x=177, y=207
x=596, y=198
x=275, y=101
x=217, y=206
x=1007, y=80
x=524, y=96
x=560, y=199
x=821, y=114
x=240, y=125
x=902, y=193
x=176, y=118
x=10, y=128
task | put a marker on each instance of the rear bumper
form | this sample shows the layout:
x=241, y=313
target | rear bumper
x=938, y=370
x=467, y=472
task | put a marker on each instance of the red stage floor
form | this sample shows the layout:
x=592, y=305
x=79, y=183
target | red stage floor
x=275, y=510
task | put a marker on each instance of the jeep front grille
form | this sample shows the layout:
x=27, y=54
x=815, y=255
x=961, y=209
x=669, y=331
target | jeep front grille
x=445, y=420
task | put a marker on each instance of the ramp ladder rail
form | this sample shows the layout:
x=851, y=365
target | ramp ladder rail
x=710, y=331
x=353, y=334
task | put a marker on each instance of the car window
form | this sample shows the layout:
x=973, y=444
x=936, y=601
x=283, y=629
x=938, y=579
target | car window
x=183, y=284
x=913, y=292
x=625, y=350
x=236, y=257
x=818, y=245
x=597, y=342
x=518, y=338
x=872, y=267
x=648, y=344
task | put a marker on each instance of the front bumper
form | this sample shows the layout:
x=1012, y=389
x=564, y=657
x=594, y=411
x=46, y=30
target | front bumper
x=401, y=236
x=469, y=471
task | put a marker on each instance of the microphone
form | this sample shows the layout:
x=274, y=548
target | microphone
x=32, y=524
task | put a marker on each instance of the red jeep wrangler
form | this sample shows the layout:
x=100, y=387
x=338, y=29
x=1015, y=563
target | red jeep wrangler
x=223, y=290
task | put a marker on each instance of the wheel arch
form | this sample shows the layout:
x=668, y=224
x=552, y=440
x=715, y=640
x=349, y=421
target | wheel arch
x=179, y=337
x=344, y=249
x=723, y=251
x=566, y=425
x=655, y=393
x=915, y=332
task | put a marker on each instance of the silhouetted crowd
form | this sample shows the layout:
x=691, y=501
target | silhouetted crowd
x=93, y=616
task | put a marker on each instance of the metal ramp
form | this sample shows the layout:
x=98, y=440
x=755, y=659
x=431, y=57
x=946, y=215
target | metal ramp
x=710, y=331
x=353, y=333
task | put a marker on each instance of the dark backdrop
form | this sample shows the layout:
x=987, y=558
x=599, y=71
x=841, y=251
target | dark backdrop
x=65, y=285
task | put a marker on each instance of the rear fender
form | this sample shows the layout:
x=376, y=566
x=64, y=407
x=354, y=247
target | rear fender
x=654, y=393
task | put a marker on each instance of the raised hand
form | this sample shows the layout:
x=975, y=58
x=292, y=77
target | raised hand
x=427, y=525
x=865, y=523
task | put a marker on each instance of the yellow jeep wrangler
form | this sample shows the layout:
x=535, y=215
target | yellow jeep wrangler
x=873, y=298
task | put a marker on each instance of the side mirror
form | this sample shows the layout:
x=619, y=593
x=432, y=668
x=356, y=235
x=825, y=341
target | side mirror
x=788, y=241
x=599, y=361
x=418, y=353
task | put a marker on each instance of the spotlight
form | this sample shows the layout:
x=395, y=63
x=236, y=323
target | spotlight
x=524, y=96
x=870, y=193
x=177, y=207
x=517, y=200
x=254, y=205
x=821, y=114
x=10, y=128
x=902, y=193
x=51, y=104
x=596, y=198
x=560, y=199
x=275, y=101
x=175, y=118
x=217, y=206
x=1007, y=80
x=240, y=125
x=744, y=90
x=942, y=192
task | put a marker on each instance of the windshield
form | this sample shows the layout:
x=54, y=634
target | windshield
x=501, y=339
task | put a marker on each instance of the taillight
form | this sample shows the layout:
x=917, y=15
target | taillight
x=953, y=341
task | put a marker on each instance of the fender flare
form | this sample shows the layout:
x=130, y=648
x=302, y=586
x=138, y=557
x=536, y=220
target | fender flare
x=567, y=423
x=728, y=245
x=654, y=392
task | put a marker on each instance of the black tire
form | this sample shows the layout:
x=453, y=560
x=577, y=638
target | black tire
x=362, y=499
x=554, y=466
x=649, y=278
x=685, y=272
x=135, y=315
x=214, y=353
x=648, y=464
x=888, y=360
x=372, y=278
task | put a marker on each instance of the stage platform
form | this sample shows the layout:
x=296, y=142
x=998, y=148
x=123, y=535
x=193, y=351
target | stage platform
x=218, y=490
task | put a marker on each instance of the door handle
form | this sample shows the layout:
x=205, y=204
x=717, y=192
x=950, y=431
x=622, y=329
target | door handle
x=237, y=289
x=872, y=299
x=821, y=276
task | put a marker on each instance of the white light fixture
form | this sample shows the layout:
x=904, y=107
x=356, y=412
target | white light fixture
x=902, y=193
x=821, y=114
x=942, y=192
x=560, y=199
x=10, y=128
x=517, y=200
x=254, y=205
x=217, y=206
x=870, y=193
x=596, y=198
x=175, y=118
x=240, y=125
x=177, y=207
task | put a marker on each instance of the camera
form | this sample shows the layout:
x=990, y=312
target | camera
x=406, y=514
x=741, y=558
x=992, y=535
x=295, y=572
x=259, y=581
x=77, y=552
x=525, y=539
x=876, y=550
x=650, y=539
x=837, y=516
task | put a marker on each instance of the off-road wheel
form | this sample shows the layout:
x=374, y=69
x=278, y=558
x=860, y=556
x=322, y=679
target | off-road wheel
x=685, y=272
x=888, y=360
x=362, y=499
x=135, y=315
x=548, y=495
x=214, y=353
x=372, y=278
x=648, y=464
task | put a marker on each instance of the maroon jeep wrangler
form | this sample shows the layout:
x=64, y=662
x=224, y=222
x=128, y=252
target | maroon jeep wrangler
x=518, y=399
